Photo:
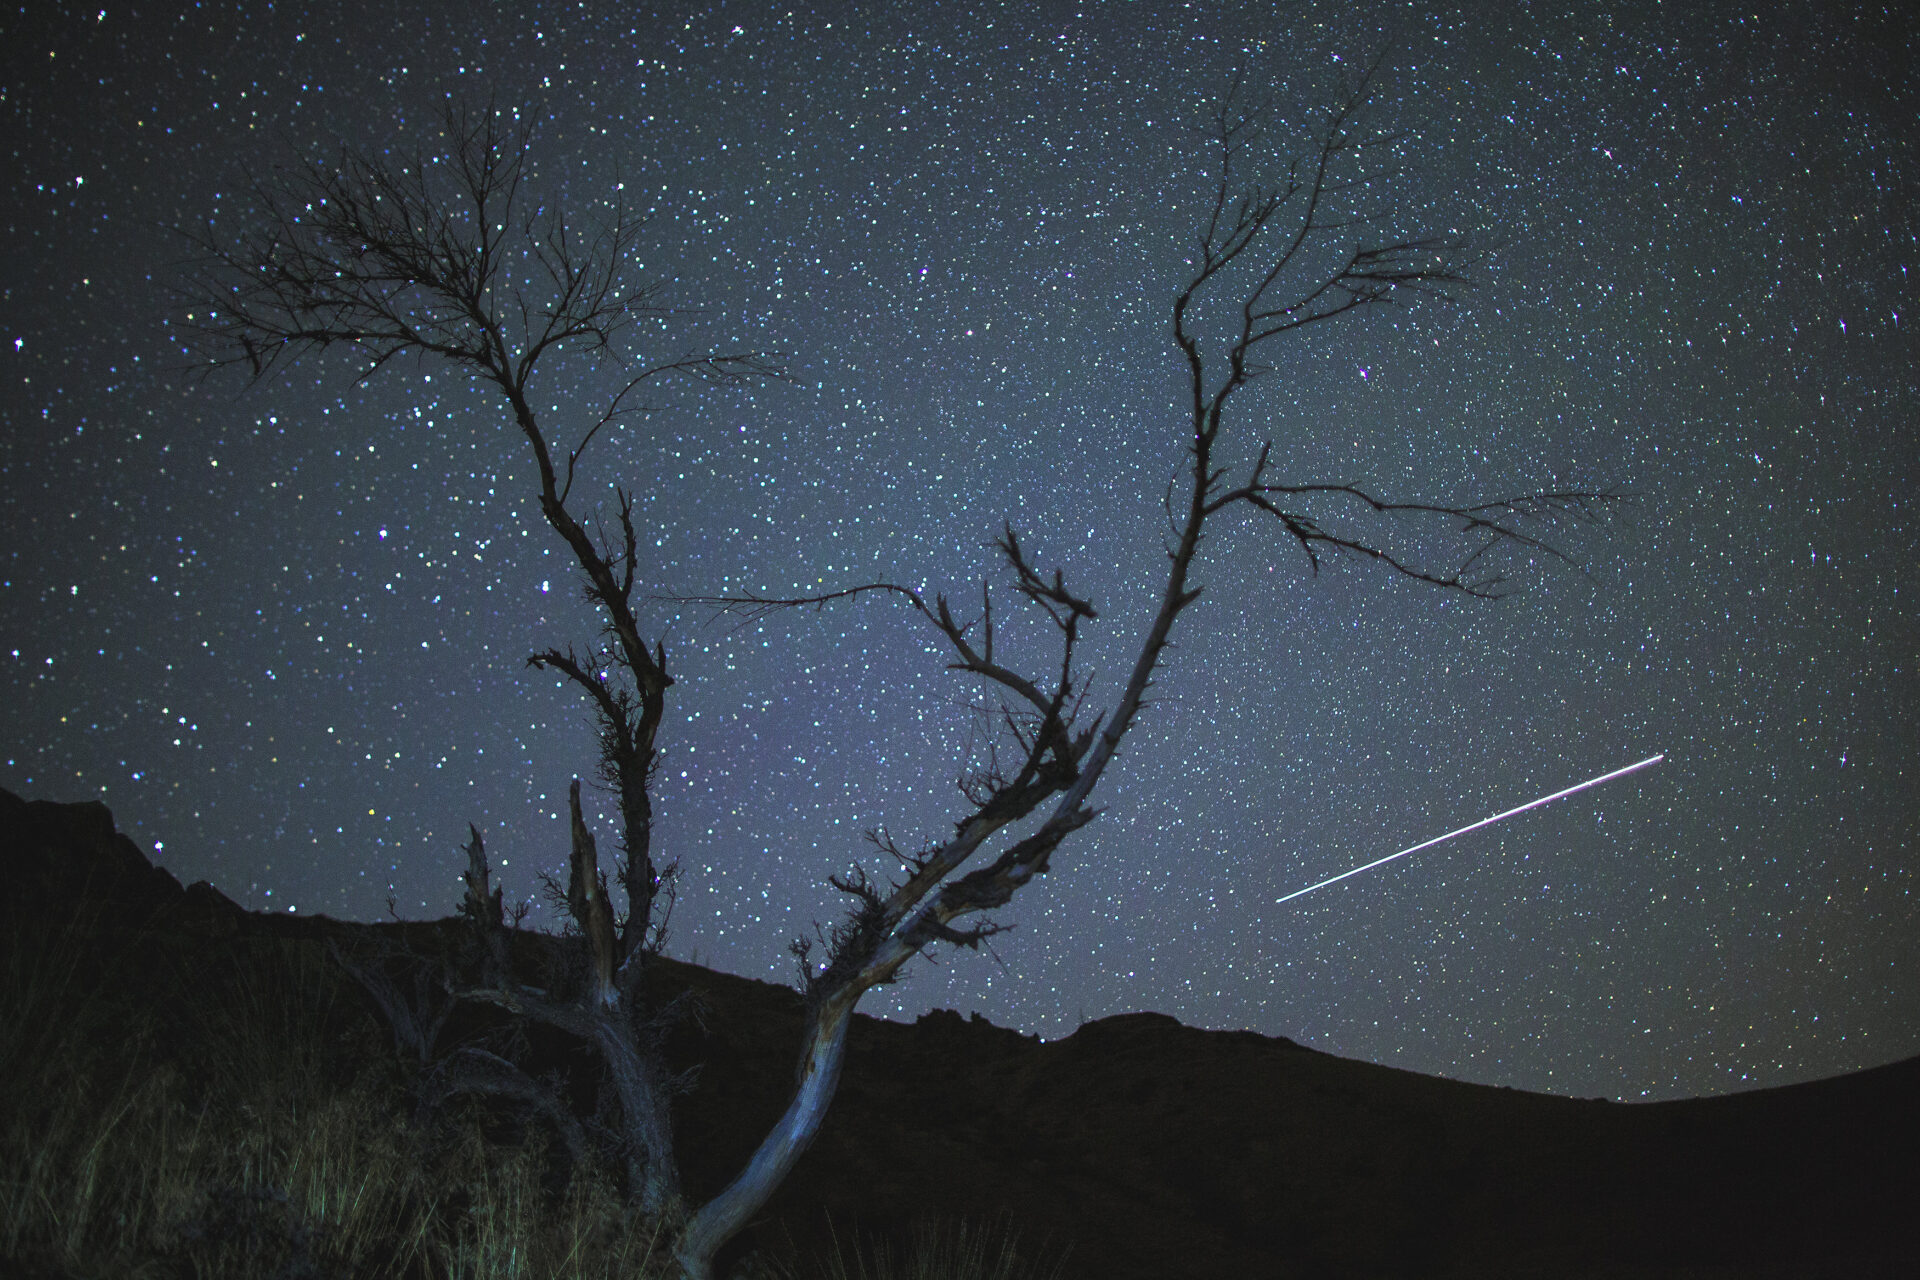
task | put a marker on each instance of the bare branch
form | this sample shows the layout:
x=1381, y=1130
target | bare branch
x=752, y=607
x=414, y=1018
x=1485, y=525
x=733, y=369
x=471, y=1071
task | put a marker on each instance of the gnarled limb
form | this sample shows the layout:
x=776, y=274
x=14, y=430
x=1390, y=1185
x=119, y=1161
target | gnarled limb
x=1246, y=228
x=605, y=1015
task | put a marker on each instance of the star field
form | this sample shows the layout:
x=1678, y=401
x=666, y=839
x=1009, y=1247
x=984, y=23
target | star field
x=282, y=630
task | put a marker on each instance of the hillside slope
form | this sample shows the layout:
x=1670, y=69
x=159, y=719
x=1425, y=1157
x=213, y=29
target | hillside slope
x=1150, y=1149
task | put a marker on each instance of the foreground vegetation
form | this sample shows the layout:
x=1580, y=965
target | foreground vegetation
x=237, y=1112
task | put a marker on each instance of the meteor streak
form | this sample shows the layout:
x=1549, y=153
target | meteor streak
x=1428, y=844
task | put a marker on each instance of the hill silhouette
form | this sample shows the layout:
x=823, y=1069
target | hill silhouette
x=1141, y=1147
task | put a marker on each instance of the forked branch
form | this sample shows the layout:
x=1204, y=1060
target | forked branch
x=1245, y=227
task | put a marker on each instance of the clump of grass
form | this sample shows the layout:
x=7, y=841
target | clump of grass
x=511, y=1230
x=954, y=1249
x=70, y=1091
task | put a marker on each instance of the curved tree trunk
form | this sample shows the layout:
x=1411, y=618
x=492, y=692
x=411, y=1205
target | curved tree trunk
x=720, y=1218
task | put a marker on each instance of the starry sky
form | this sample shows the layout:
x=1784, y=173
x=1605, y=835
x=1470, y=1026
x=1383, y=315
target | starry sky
x=281, y=631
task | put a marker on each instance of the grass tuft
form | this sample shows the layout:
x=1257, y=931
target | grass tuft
x=959, y=1249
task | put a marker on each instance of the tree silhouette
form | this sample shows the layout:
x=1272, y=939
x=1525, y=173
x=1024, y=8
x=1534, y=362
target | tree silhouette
x=436, y=258
x=442, y=256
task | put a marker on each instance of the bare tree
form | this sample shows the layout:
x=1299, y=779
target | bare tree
x=1286, y=255
x=444, y=256
x=371, y=257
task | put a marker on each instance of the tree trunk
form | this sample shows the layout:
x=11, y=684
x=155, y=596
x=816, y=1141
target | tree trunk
x=720, y=1218
x=646, y=1100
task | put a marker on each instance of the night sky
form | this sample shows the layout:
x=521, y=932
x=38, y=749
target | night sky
x=281, y=631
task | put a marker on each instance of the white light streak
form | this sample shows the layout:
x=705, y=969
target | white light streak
x=1428, y=844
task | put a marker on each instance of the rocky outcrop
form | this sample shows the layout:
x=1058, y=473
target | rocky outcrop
x=72, y=855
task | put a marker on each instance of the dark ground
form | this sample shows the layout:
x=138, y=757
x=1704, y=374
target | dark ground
x=1150, y=1149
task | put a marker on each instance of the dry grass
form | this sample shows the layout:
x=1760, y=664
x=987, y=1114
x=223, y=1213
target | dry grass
x=939, y=1250
x=213, y=1134
x=229, y=1113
